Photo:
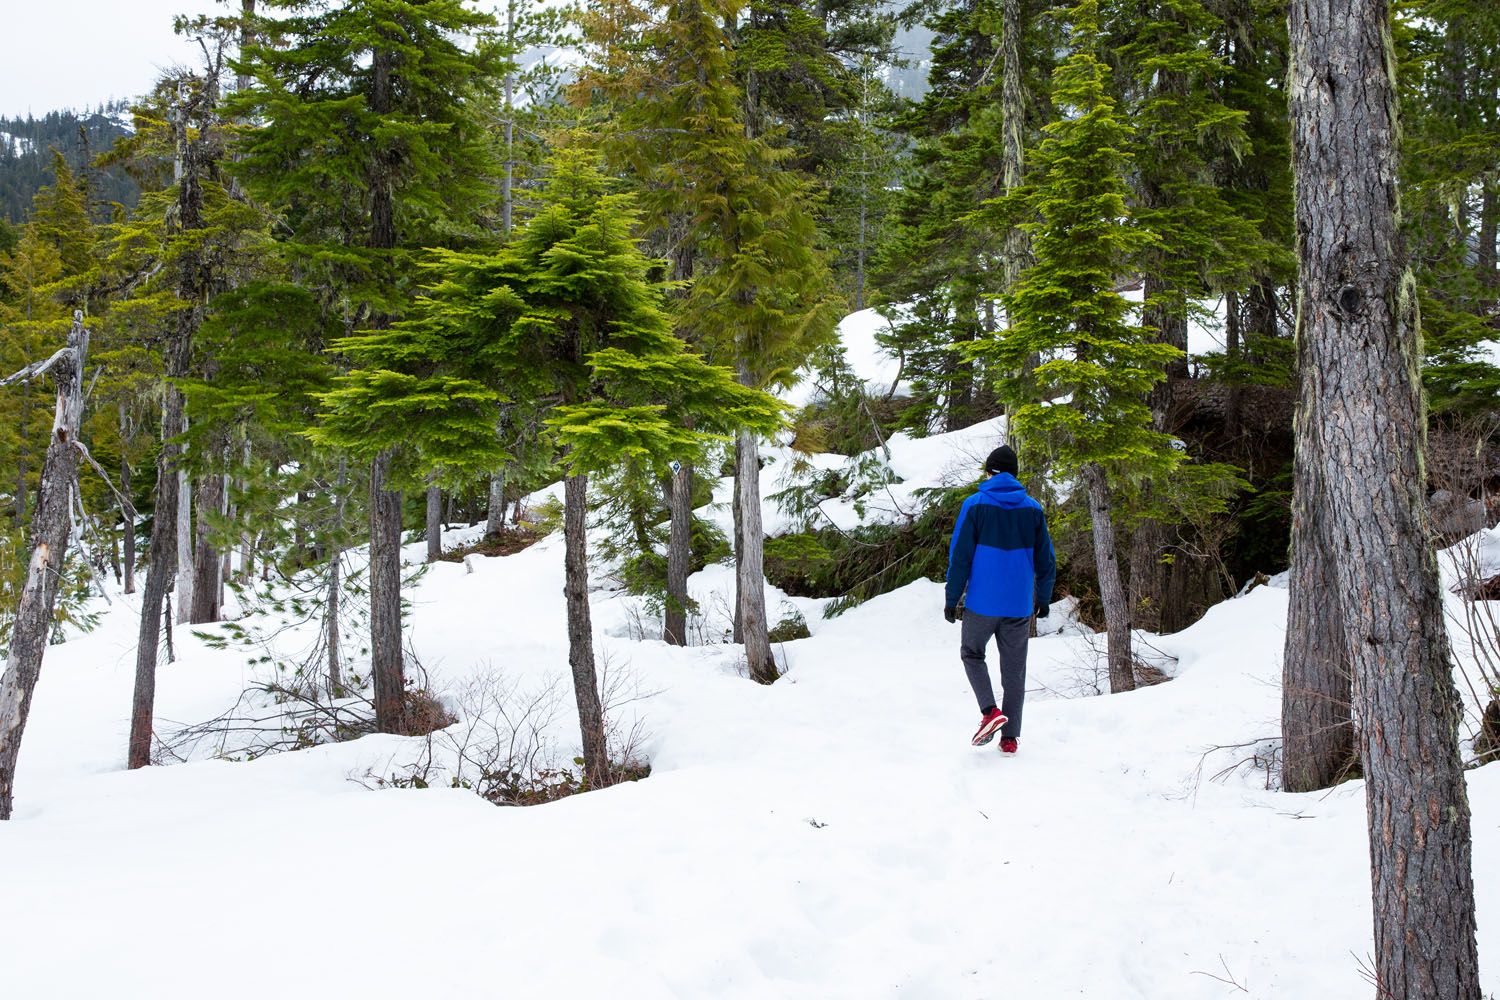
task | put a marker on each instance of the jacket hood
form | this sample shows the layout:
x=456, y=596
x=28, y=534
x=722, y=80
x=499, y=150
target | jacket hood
x=1005, y=490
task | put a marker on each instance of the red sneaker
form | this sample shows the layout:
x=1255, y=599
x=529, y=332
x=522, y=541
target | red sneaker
x=1008, y=745
x=988, y=727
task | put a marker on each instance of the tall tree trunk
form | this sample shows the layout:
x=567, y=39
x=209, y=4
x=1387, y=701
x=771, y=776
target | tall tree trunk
x=495, y=516
x=495, y=522
x=581, y=631
x=247, y=39
x=679, y=554
x=1147, y=574
x=169, y=525
x=226, y=559
x=206, y=562
x=127, y=516
x=434, y=524
x=1489, y=222
x=1358, y=339
x=50, y=531
x=386, y=663
x=184, y=527
x=961, y=371
x=750, y=584
x=507, y=186
x=1264, y=317
x=336, y=583
x=1232, y=322
x=247, y=534
x=736, y=509
x=1111, y=591
x=1316, y=728
x=1013, y=121
x=161, y=567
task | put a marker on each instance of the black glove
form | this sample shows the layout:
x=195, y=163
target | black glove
x=1043, y=610
x=950, y=615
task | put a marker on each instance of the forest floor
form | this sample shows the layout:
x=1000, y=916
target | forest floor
x=833, y=835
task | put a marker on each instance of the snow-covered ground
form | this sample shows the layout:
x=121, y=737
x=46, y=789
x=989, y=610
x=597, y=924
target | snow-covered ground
x=831, y=836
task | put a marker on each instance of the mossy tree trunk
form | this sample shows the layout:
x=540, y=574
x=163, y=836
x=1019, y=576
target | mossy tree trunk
x=1358, y=340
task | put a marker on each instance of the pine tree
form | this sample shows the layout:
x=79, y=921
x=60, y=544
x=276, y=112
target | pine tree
x=807, y=72
x=370, y=142
x=1201, y=245
x=1065, y=309
x=760, y=298
x=563, y=313
x=944, y=263
x=174, y=255
x=1450, y=74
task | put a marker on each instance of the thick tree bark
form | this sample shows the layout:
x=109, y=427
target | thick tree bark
x=386, y=655
x=207, y=566
x=679, y=554
x=434, y=524
x=750, y=583
x=1358, y=337
x=50, y=531
x=1316, y=728
x=1013, y=118
x=1147, y=576
x=1111, y=591
x=581, y=631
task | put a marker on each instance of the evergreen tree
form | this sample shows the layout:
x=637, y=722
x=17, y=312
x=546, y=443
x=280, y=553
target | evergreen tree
x=1450, y=74
x=1201, y=247
x=369, y=141
x=760, y=296
x=809, y=84
x=943, y=265
x=1065, y=309
x=564, y=313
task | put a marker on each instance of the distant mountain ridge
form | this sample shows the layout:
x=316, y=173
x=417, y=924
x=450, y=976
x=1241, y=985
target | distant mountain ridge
x=26, y=146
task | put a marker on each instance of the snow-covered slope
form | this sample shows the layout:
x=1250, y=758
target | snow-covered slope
x=830, y=836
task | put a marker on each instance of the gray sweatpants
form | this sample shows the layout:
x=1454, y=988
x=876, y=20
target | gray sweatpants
x=1010, y=635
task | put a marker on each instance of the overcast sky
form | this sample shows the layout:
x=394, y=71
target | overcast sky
x=79, y=53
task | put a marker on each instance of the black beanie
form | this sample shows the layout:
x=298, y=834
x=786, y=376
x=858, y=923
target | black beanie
x=1002, y=459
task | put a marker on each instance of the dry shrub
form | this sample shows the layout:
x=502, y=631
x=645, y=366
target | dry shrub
x=1147, y=675
x=425, y=713
x=503, y=543
x=501, y=744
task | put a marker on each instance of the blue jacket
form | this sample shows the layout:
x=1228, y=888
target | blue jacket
x=1001, y=552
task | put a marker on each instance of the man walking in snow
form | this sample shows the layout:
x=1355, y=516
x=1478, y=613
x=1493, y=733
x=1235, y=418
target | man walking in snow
x=1002, y=555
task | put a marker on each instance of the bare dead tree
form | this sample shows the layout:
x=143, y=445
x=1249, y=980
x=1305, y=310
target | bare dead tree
x=51, y=528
